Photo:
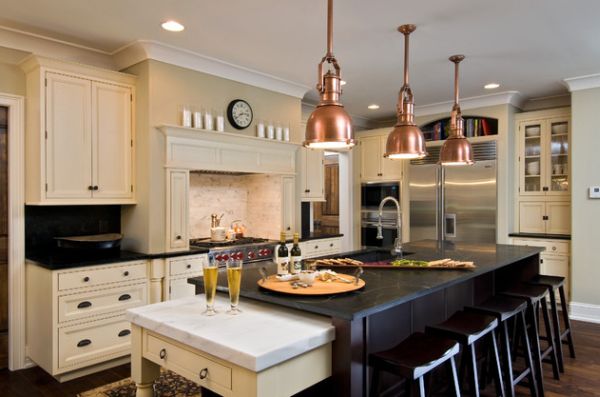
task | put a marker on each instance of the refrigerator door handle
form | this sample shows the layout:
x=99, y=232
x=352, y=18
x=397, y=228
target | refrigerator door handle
x=450, y=225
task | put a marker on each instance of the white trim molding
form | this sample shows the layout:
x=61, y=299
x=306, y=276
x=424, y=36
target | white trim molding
x=585, y=312
x=583, y=82
x=513, y=98
x=16, y=230
x=141, y=50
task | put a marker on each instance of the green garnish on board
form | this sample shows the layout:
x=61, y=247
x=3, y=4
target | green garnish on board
x=409, y=263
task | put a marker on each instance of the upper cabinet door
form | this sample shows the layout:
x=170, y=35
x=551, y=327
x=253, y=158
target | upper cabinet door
x=532, y=158
x=288, y=205
x=390, y=169
x=68, y=140
x=370, y=156
x=112, y=141
x=558, y=154
x=315, y=175
x=178, y=210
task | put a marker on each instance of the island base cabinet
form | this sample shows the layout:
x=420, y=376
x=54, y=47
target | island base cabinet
x=150, y=352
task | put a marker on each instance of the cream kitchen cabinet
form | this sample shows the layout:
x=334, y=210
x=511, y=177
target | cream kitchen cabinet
x=79, y=134
x=288, y=205
x=178, y=188
x=178, y=270
x=374, y=167
x=311, y=175
x=321, y=247
x=76, y=317
x=545, y=217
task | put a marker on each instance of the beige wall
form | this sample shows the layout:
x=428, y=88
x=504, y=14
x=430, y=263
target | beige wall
x=12, y=79
x=585, y=165
x=162, y=89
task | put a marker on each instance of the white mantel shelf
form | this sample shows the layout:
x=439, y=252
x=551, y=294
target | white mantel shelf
x=198, y=149
x=260, y=337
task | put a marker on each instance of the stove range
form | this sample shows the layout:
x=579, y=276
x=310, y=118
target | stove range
x=248, y=249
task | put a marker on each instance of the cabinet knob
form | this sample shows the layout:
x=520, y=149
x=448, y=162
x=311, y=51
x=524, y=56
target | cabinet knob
x=188, y=266
x=125, y=273
x=316, y=247
x=553, y=248
x=289, y=228
x=545, y=217
x=96, y=187
x=203, y=373
x=90, y=187
x=331, y=245
x=177, y=237
x=84, y=342
x=306, y=190
x=86, y=279
x=545, y=188
x=380, y=174
x=162, y=354
x=123, y=333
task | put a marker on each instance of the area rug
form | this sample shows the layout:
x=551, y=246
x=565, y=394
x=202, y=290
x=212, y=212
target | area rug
x=169, y=384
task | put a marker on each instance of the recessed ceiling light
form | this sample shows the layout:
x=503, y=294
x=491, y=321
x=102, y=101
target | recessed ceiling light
x=343, y=82
x=172, y=26
x=373, y=106
x=491, y=86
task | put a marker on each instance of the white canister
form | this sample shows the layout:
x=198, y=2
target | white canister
x=197, y=120
x=260, y=129
x=218, y=233
x=286, y=134
x=186, y=116
x=220, y=123
x=208, y=120
x=279, y=133
x=270, y=131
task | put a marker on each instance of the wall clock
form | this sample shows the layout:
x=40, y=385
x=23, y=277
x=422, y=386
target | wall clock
x=239, y=114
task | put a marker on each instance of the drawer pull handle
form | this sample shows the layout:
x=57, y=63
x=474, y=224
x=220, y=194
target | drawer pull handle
x=189, y=266
x=162, y=354
x=123, y=333
x=84, y=304
x=177, y=237
x=316, y=247
x=125, y=273
x=553, y=248
x=86, y=279
x=203, y=373
x=331, y=245
x=124, y=297
x=84, y=342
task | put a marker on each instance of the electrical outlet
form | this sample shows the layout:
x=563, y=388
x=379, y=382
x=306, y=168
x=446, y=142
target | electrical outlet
x=594, y=192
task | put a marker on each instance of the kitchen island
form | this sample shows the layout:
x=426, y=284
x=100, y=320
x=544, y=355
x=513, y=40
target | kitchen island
x=398, y=302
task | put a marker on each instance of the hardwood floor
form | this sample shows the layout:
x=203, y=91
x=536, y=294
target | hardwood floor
x=581, y=377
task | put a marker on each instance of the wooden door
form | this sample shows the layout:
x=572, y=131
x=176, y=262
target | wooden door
x=391, y=170
x=531, y=217
x=558, y=217
x=69, y=136
x=112, y=144
x=370, y=158
x=177, y=209
x=3, y=237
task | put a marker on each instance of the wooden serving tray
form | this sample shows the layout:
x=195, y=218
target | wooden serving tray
x=318, y=288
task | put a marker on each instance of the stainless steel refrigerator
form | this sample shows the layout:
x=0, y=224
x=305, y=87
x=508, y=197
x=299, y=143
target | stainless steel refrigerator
x=457, y=203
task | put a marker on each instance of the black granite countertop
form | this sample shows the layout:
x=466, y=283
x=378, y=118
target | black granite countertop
x=542, y=235
x=386, y=288
x=318, y=236
x=57, y=259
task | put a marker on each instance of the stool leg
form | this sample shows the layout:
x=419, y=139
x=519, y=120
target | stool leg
x=533, y=384
x=454, y=377
x=375, y=383
x=557, y=333
x=534, y=338
x=421, y=387
x=497, y=370
x=549, y=333
x=506, y=357
x=473, y=377
x=567, y=321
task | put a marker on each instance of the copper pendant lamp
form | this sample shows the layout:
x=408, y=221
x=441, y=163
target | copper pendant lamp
x=406, y=141
x=457, y=149
x=329, y=126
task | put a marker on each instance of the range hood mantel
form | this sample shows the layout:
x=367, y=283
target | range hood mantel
x=203, y=150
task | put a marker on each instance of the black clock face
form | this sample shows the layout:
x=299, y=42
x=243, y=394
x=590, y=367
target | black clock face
x=239, y=114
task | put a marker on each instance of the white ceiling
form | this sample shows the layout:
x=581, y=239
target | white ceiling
x=525, y=45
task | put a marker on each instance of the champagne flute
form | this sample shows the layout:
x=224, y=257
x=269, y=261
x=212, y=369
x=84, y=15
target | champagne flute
x=234, y=281
x=210, y=270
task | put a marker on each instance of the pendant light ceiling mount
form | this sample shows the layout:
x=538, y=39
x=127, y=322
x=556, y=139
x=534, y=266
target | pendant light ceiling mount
x=456, y=150
x=329, y=126
x=406, y=141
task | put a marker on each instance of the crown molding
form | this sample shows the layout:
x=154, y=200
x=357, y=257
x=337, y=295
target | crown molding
x=583, y=82
x=513, y=98
x=141, y=50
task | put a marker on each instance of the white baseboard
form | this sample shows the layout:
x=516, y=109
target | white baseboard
x=585, y=312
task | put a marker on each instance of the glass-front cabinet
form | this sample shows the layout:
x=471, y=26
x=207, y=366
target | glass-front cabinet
x=544, y=157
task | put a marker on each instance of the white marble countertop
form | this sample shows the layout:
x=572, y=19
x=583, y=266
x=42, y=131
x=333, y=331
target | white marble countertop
x=261, y=336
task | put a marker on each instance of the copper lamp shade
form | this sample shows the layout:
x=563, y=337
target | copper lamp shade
x=329, y=126
x=406, y=141
x=457, y=149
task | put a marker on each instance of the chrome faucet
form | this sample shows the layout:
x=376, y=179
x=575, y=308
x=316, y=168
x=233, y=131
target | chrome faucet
x=398, y=242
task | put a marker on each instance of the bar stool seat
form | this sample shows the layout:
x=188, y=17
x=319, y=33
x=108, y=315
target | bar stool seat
x=505, y=308
x=413, y=358
x=467, y=328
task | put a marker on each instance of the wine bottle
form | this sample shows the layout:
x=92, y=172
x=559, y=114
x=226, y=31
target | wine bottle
x=296, y=256
x=283, y=258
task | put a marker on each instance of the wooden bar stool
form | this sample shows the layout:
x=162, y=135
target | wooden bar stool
x=413, y=358
x=535, y=296
x=505, y=309
x=554, y=284
x=467, y=328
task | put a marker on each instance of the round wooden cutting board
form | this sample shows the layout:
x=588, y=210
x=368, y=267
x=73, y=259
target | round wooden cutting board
x=318, y=288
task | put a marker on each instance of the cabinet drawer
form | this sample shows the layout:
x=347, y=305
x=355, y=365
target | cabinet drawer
x=101, y=275
x=187, y=265
x=315, y=248
x=89, y=304
x=552, y=246
x=93, y=342
x=188, y=363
